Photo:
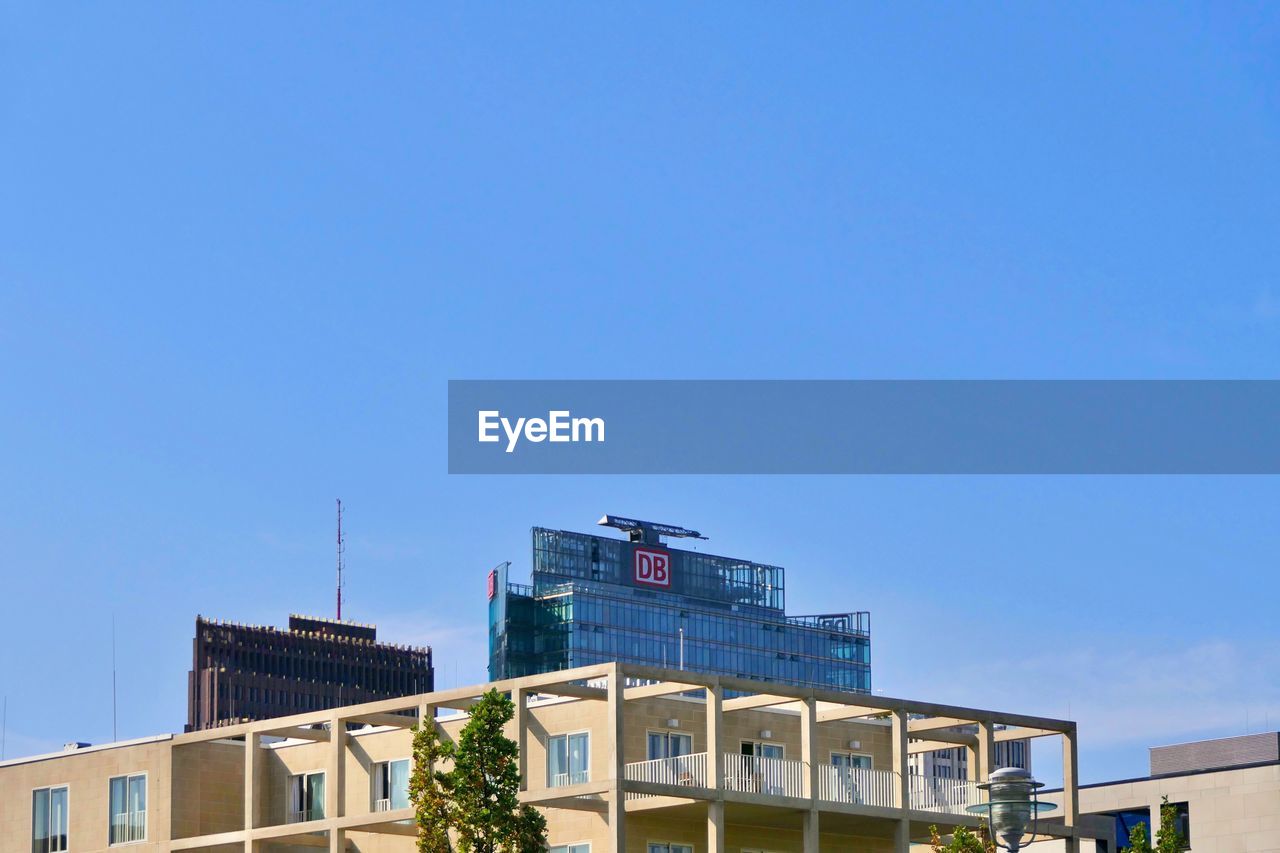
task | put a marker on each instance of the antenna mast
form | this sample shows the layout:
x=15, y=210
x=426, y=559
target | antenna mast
x=341, y=560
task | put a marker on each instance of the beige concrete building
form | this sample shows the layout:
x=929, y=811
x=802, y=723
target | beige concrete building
x=1226, y=793
x=620, y=758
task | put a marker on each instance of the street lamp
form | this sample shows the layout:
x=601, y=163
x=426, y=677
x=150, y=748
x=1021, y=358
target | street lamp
x=1012, y=807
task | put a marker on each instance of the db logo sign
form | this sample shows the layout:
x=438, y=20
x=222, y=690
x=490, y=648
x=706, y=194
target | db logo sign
x=653, y=567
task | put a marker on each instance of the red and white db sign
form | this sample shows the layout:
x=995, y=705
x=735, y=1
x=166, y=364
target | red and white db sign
x=652, y=568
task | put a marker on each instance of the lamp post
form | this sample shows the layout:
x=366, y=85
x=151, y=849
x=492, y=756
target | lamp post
x=1012, y=807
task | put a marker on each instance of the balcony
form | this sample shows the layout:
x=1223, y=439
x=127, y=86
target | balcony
x=126, y=828
x=784, y=777
x=934, y=794
x=856, y=786
x=686, y=770
x=781, y=777
x=563, y=780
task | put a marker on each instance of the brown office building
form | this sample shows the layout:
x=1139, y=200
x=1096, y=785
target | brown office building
x=253, y=672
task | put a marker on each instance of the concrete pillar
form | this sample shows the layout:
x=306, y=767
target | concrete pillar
x=251, y=750
x=809, y=745
x=519, y=697
x=1071, y=791
x=971, y=764
x=427, y=717
x=617, y=761
x=715, y=826
x=811, y=831
x=334, y=787
x=337, y=840
x=902, y=837
x=986, y=752
x=715, y=737
x=901, y=761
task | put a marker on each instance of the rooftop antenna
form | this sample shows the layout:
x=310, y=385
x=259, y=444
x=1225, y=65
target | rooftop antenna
x=341, y=561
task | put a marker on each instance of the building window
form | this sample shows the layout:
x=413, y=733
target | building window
x=391, y=785
x=568, y=759
x=669, y=744
x=306, y=797
x=1182, y=822
x=1127, y=821
x=49, y=819
x=127, y=811
x=851, y=760
x=583, y=847
x=664, y=847
x=763, y=750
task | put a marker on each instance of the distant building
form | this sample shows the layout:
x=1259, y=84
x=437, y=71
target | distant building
x=251, y=672
x=596, y=599
x=1225, y=794
x=954, y=763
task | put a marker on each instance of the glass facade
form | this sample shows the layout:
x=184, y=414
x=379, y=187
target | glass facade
x=596, y=599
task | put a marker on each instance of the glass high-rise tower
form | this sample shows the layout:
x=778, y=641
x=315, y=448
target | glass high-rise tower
x=596, y=598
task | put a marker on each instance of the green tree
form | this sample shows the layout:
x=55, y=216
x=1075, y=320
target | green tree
x=1169, y=839
x=531, y=832
x=1138, y=840
x=429, y=789
x=963, y=840
x=485, y=783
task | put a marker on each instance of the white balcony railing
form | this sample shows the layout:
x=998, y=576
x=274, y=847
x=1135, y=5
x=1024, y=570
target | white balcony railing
x=786, y=778
x=383, y=805
x=295, y=816
x=755, y=774
x=934, y=794
x=129, y=827
x=856, y=785
x=687, y=770
x=561, y=780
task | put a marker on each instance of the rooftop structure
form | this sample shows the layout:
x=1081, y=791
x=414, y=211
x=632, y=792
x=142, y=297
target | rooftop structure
x=252, y=672
x=595, y=599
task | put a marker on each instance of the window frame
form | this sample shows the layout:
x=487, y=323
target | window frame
x=373, y=798
x=670, y=846
x=849, y=753
x=146, y=820
x=288, y=793
x=568, y=771
x=51, y=788
x=755, y=743
x=666, y=733
x=1182, y=808
x=569, y=847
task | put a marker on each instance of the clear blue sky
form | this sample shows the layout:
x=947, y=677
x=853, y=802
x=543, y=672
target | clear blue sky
x=242, y=248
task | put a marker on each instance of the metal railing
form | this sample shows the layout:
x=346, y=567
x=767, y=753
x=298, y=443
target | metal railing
x=688, y=770
x=295, y=816
x=129, y=827
x=756, y=774
x=935, y=794
x=860, y=786
x=561, y=780
x=383, y=805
